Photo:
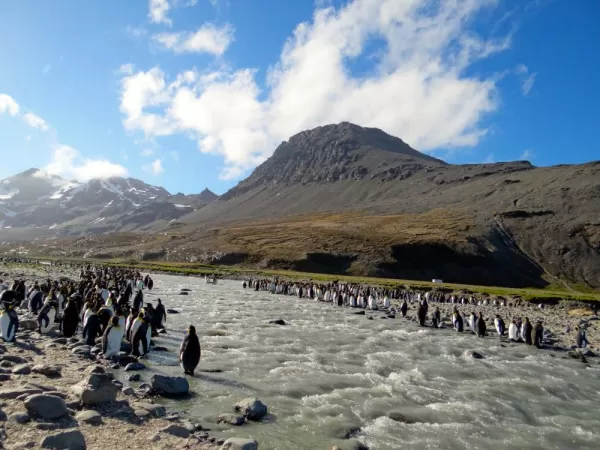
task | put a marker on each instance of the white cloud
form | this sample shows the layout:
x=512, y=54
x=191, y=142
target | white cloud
x=419, y=88
x=35, y=121
x=527, y=155
x=206, y=39
x=8, y=105
x=158, y=11
x=527, y=78
x=147, y=152
x=126, y=69
x=69, y=163
x=155, y=168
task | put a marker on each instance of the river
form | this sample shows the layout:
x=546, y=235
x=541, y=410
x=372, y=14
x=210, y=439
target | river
x=330, y=373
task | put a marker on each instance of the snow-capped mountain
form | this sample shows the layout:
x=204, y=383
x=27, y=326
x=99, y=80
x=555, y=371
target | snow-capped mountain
x=41, y=200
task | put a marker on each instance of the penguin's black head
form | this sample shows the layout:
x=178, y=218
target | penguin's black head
x=192, y=330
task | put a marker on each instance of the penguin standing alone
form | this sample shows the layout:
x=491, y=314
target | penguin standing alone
x=9, y=322
x=499, y=324
x=403, y=308
x=538, y=334
x=421, y=314
x=190, y=351
x=481, y=326
x=526, y=331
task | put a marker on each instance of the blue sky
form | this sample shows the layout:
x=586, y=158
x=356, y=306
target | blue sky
x=187, y=94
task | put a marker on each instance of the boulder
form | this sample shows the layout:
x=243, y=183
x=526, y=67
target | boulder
x=11, y=394
x=127, y=359
x=46, y=406
x=134, y=377
x=251, y=408
x=152, y=409
x=170, y=386
x=96, y=369
x=231, y=419
x=134, y=366
x=176, y=430
x=128, y=391
x=240, y=444
x=89, y=416
x=277, y=322
x=72, y=440
x=46, y=370
x=14, y=359
x=96, y=389
x=21, y=369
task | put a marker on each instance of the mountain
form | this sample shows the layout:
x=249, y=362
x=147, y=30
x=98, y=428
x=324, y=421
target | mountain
x=343, y=199
x=35, y=199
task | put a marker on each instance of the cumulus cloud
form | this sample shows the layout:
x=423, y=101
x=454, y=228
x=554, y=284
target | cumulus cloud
x=527, y=78
x=418, y=89
x=69, y=163
x=158, y=10
x=155, y=168
x=206, y=39
x=35, y=121
x=8, y=105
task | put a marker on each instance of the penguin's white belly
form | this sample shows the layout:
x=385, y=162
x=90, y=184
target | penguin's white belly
x=386, y=302
x=113, y=344
x=122, y=322
x=4, y=323
x=86, y=316
x=512, y=332
x=51, y=315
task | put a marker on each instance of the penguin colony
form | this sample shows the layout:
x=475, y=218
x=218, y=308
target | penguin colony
x=99, y=306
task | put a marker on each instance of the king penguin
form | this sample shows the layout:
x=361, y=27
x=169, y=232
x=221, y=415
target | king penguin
x=9, y=322
x=70, y=320
x=190, y=352
x=92, y=328
x=499, y=324
x=404, y=308
x=111, y=340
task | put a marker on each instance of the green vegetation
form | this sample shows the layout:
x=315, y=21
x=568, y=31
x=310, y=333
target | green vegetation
x=188, y=268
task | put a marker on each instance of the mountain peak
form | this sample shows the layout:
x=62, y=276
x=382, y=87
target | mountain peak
x=29, y=172
x=337, y=152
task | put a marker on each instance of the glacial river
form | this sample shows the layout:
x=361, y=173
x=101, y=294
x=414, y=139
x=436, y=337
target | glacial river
x=330, y=373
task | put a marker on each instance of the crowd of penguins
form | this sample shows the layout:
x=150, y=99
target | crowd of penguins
x=370, y=298
x=106, y=304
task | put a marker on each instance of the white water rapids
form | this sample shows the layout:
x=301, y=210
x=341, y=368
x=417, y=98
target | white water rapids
x=329, y=373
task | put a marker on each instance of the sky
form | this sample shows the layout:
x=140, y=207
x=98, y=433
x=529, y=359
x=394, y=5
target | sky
x=188, y=94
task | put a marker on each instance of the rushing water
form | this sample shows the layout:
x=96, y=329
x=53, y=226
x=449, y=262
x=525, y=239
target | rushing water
x=330, y=372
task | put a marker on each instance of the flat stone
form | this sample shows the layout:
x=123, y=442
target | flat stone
x=176, y=430
x=172, y=311
x=71, y=440
x=160, y=349
x=231, y=419
x=21, y=369
x=134, y=377
x=60, y=340
x=134, y=366
x=46, y=406
x=240, y=444
x=46, y=426
x=51, y=345
x=11, y=394
x=89, y=416
x=251, y=408
x=116, y=367
x=142, y=413
x=46, y=370
x=154, y=410
x=170, y=386
x=14, y=359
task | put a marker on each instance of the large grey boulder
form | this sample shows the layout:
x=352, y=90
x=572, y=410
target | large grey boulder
x=170, y=386
x=251, y=408
x=71, y=440
x=46, y=406
x=96, y=389
x=240, y=444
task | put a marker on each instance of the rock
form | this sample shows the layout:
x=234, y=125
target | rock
x=6, y=364
x=48, y=371
x=46, y=406
x=11, y=394
x=231, y=419
x=185, y=290
x=127, y=359
x=176, y=430
x=95, y=350
x=96, y=369
x=155, y=438
x=4, y=377
x=573, y=354
x=359, y=313
x=160, y=349
x=84, y=351
x=128, y=391
x=96, y=389
x=134, y=366
x=172, y=418
x=134, y=377
x=89, y=416
x=14, y=359
x=19, y=418
x=27, y=324
x=118, y=384
x=277, y=322
x=184, y=293
x=391, y=316
x=589, y=354
x=172, y=311
x=116, y=367
x=252, y=409
x=240, y=444
x=370, y=318
x=2, y=416
x=23, y=445
x=351, y=444
x=152, y=409
x=71, y=440
x=472, y=354
x=170, y=386
x=141, y=413
x=58, y=394
x=60, y=340
x=22, y=369
x=46, y=426
x=51, y=345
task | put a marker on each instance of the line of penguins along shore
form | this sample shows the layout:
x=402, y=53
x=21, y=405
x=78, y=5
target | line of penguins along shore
x=99, y=307
x=371, y=298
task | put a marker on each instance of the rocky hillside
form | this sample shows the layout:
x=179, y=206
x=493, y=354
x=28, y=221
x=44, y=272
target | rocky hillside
x=344, y=199
x=47, y=203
